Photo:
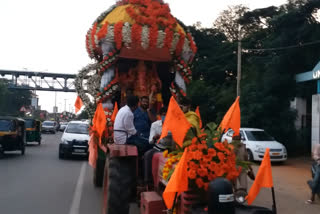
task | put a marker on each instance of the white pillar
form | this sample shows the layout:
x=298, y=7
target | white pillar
x=315, y=135
x=300, y=105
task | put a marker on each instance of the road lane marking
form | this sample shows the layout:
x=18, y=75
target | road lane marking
x=75, y=206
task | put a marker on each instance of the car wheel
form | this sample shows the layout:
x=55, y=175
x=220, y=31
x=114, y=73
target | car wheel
x=250, y=155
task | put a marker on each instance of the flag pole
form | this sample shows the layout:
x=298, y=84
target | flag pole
x=174, y=203
x=274, y=205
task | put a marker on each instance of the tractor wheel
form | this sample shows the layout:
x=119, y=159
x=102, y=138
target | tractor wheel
x=98, y=173
x=118, y=185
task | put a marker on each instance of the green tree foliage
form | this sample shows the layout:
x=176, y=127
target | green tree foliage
x=12, y=100
x=274, y=52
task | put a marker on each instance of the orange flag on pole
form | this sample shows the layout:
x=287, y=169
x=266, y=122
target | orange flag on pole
x=175, y=122
x=99, y=120
x=115, y=112
x=263, y=178
x=178, y=182
x=198, y=113
x=231, y=119
x=78, y=104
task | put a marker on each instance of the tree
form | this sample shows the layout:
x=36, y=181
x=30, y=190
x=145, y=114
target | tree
x=12, y=100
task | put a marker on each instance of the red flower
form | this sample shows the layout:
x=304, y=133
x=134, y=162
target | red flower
x=169, y=38
x=180, y=44
x=103, y=31
x=202, y=172
x=221, y=156
x=212, y=152
x=136, y=33
x=199, y=182
x=193, y=165
x=153, y=36
x=192, y=174
x=118, y=34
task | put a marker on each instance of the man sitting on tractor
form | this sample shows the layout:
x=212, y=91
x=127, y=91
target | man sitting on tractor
x=124, y=128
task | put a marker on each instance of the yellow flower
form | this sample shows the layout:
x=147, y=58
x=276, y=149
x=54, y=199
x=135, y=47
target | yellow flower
x=165, y=153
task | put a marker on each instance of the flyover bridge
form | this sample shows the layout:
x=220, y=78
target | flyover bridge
x=42, y=81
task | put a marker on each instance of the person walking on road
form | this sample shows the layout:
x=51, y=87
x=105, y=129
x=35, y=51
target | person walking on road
x=315, y=183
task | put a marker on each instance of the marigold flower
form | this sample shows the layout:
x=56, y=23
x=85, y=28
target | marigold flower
x=221, y=156
x=199, y=182
x=193, y=165
x=212, y=166
x=192, y=174
x=165, y=153
x=207, y=158
x=202, y=172
x=211, y=176
x=212, y=152
x=197, y=155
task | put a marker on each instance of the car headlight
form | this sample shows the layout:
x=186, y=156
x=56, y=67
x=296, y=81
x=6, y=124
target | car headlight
x=260, y=149
x=284, y=150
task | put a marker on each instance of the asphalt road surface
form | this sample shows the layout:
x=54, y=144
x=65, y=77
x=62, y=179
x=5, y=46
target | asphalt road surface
x=40, y=183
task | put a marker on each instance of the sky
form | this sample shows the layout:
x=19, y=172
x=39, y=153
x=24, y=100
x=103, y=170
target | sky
x=49, y=36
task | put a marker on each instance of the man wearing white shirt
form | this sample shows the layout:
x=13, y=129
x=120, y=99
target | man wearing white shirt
x=156, y=127
x=123, y=124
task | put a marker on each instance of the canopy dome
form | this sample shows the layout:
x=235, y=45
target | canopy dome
x=140, y=28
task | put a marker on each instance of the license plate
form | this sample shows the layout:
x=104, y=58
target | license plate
x=277, y=153
x=79, y=150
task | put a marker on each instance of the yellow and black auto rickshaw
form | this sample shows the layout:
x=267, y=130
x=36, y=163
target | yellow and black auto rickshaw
x=33, y=129
x=12, y=134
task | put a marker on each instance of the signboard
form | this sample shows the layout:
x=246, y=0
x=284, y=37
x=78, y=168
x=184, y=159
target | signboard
x=310, y=75
x=23, y=109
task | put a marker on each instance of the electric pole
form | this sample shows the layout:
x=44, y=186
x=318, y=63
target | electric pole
x=239, y=64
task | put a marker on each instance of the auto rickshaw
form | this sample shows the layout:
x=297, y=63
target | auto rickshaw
x=33, y=129
x=12, y=134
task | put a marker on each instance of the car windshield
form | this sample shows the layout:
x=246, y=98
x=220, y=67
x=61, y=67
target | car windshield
x=48, y=123
x=30, y=123
x=258, y=136
x=77, y=128
x=6, y=125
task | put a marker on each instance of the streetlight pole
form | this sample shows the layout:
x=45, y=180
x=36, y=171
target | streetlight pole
x=239, y=63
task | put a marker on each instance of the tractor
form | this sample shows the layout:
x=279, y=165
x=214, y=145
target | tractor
x=138, y=48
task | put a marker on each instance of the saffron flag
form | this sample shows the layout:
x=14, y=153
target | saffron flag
x=231, y=119
x=93, y=152
x=175, y=122
x=115, y=112
x=198, y=113
x=78, y=104
x=99, y=120
x=178, y=182
x=263, y=178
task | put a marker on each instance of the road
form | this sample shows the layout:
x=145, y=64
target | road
x=39, y=182
x=291, y=190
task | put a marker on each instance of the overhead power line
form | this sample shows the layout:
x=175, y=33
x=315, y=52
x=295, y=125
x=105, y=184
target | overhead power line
x=283, y=48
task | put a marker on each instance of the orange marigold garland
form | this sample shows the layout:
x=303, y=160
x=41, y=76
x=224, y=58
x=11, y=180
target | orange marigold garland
x=207, y=160
x=136, y=31
x=180, y=44
x=103, y=31
x=153, y=36
x=118, y=34
x=192, y=44
x=169, y=38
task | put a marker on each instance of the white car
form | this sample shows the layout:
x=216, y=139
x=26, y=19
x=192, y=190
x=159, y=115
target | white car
x=74, y=140
x=256, y=141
